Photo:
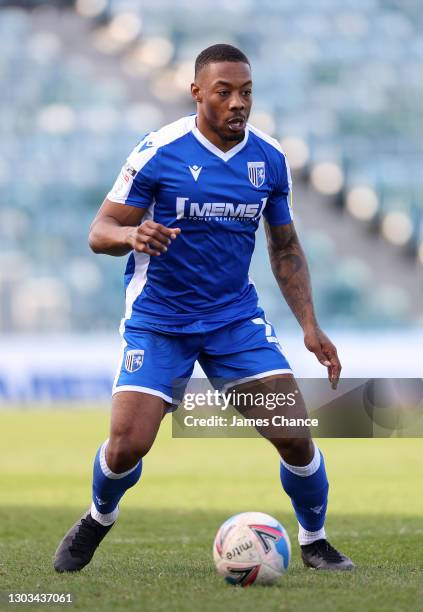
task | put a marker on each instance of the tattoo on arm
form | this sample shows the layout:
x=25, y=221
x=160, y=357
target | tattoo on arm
x=290, y=268
x=289, y=265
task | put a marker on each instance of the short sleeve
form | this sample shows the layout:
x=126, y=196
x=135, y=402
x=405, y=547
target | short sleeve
x=278, y=210
x=136, y=183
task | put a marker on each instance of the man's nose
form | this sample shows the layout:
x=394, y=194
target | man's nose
x=236, y=102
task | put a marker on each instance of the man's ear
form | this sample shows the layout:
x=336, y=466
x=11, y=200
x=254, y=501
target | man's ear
x=195, y=92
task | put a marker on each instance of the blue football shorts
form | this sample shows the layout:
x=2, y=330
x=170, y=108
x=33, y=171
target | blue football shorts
x=244, y=350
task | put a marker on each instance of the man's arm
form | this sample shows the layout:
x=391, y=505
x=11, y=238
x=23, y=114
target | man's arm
x=117, y=230
x=291, y=271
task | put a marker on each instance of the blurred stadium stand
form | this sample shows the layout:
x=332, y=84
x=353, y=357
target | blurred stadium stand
x=339, y=83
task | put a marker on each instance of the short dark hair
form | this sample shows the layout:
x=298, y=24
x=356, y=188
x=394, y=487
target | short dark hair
x=219, y=53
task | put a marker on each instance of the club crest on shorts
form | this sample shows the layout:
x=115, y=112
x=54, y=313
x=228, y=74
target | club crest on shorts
x=134, y=360
x=256, y=173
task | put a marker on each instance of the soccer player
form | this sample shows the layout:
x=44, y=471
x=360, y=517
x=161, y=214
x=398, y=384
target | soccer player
x=186, y=206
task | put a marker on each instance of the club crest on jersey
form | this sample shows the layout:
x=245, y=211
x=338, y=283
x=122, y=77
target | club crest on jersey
x=256, y=173
x=134, y=360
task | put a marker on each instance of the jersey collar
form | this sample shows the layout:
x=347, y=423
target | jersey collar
x=224, y=155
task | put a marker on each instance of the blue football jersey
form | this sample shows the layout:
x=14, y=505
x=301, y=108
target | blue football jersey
x=217, y=199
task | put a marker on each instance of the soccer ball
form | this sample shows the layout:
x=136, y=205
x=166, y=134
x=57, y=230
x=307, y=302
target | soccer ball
x=251, y=547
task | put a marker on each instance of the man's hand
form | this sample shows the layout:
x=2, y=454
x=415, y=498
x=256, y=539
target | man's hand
x=318, y=343
x=119, y=228
x=151, y=238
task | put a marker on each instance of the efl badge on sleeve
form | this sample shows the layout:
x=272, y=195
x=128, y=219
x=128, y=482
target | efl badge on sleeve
x=134, y=360
x=256, y=173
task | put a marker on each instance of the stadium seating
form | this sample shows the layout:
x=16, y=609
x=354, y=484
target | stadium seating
x=349, y=89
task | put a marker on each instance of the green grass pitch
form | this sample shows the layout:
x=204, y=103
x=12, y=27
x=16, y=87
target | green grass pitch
x=158, y=556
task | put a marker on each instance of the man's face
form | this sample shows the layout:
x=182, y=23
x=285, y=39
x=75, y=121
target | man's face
x=223, y=92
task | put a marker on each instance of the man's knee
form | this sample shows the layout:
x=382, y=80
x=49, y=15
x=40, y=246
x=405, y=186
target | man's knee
x=124, y=451
x=296, y=451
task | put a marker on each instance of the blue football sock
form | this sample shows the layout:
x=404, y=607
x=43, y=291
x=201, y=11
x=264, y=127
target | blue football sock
x=307, y=486
x=109, y=487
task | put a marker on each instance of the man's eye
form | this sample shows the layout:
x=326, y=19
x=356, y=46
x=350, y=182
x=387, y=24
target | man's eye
x=247, y=92
x=223, y=93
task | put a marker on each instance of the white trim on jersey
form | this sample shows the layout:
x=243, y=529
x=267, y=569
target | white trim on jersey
x=136, y=161
x=139, y=158
x=269, y=139
x=224, y=155
x=168, y=133
x=137, y=282
x=139, y=277
x=272, y=141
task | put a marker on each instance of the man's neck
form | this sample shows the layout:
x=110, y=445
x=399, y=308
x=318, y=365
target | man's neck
x=214, y=138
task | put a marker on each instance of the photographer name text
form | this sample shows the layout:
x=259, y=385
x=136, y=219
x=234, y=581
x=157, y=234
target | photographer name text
x=220, y=421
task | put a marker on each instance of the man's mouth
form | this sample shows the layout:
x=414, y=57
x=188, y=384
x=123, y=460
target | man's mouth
x=236, y=124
